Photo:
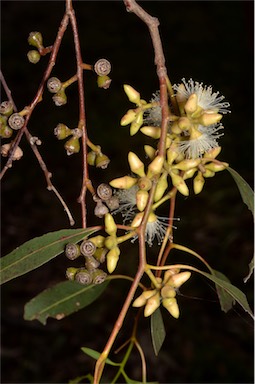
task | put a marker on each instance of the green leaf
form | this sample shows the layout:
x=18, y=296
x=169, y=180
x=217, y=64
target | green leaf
x=226, y=300
x=158, y=332
x=62, y=300
x=244, y=188
x=95, y=355
x=37, y=252
x=233, y=291
x=251, y=268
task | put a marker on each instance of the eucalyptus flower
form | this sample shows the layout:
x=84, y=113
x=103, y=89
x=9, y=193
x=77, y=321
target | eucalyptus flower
x=153, y=116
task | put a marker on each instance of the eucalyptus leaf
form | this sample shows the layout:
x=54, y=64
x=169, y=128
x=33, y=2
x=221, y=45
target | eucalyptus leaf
x=61, y=300
x=251, y=269
x=226, y=300
x=95, y=355
x=244, y=188
x=158, y=332
x=37, y=252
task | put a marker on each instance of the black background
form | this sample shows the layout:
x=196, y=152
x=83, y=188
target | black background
x=210, y=41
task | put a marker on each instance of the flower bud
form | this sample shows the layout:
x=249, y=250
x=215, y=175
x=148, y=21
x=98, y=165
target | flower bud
x=112, y=258
x=136, y=124
x=172, y=153
x=132, y=94
x=98, y=241
x=150, y=151
x=102, y=161
x=184, y=123
x=6, y=108
x=171, y=305
x=72, y=251
x=198, y=183
x=100, y=209
x=100, y=254
x=141, y=199
x=152, y=304
x=33, y=56
x=167, y=292
x=62, y=131
x=111, y=242
x=153, y=132
x=104, y=191
x=188, y=174
x=169, y=273
x=180, y=95
x=161, y=187
x=215, y=167
x=87, y=248
x=113, y=203
x=144, y=183
x=137, y=220
x=180, y=184
x=178, y=279
x=72, y=146
x=110, y=226
x=155, y=166
x=35, y=39
x=213, y=153
x=5, y=132
x=5, y=149
x=54, y=85
x=209, y=118
x=208, y=173
x=16, y=121
x=191, y=104
x=60, y=98
x=187, y=164
x=136, y=165
x=71, y=272
x=83, y=277
x=128, y=117
x=124, y=182
x=142, y=299
x=175, y=128
x=91, y=158
x=104, y=82
x=98, y=276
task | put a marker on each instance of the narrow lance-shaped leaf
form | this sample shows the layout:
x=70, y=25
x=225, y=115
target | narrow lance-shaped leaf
x=158, y=332
x=38, y=251
x=226, y=300
x=244, y=188
x=95, y=355
x=62, y=300
x=251, y=269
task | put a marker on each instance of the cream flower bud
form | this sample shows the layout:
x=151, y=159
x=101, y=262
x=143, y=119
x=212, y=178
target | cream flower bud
x=198, y=183
x=152, y=304
x=112, y=258
x=169, y=273
x=136, y=124
x=187, y=164
x=142, y=299
x=175, y=128
x=110, y=242
x=191, y=104
x=184, y=123
x=132, y=94
x=124, y=182
x=128, y=117
x=171, y=305
x=155, y=166
x=137, y=220
x=161, y=187
x=153, y=132
x=180, y=278
x=180, y=184
x=136, y=165
x=167, y=292
x=209, y=118
x=150, y=151
x=190, y=173
x=144, y=183
x=141, y=199
x=208, y=173
x=98, y=241
x=110, y=226
x=216, y=167
x=213, y=153
x=172, y=153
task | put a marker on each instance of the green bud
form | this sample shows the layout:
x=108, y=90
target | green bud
x=136, y=165
x=104, y=81
x=112, y=259
x=54, y=85
x=33, y=56
x=110, y=226
x=6, y=108
x=161, y=187
x=5, y=132
x=150, y=151
x=62, y=131
x=71, y=272
x=132, y=94
x=102, y=161
x=72, y=146
x=100, y=254
x=136, y=124
x=35, y=39
x=91, y=158
x=60, y=98
x=98, y=241
x=128, y=117
x=198, y=183
x=111, y=242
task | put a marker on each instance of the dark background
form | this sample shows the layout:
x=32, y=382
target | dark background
x=209, y=41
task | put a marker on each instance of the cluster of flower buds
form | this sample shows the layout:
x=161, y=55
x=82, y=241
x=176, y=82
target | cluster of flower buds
x=164, y=293
x=102, y=68
x=35, y=39
x=94, y=253
x=72, y=145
